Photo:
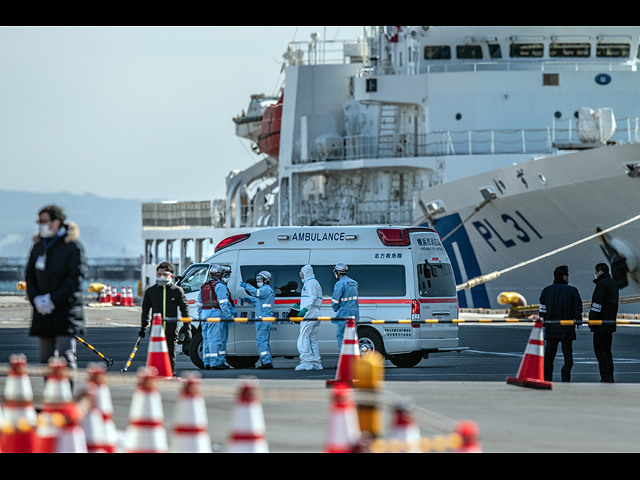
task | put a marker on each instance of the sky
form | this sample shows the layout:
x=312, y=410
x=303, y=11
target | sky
x=140, y=113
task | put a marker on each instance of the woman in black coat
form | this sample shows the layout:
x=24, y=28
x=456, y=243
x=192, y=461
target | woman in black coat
x=54, y=275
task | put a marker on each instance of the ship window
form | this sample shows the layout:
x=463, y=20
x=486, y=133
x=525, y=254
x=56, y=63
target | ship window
x=434, y=52
x=526, y=50
x=569, y=50
x=613, y=50
x=471, y=52
x=495, y=51
x=550, y=79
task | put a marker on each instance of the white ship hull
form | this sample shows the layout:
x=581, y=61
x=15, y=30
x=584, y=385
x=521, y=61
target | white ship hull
x=541, y=206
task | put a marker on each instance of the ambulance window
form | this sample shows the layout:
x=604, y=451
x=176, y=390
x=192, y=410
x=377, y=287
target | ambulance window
x=436, y=280
x=194, y=279
x=373, y=280
x=285, y=279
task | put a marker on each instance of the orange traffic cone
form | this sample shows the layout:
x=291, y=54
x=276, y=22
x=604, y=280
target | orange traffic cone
x=122, y=299
x=108, y=294
x=531, y=372
x=19, y=414
x=103, y=296
x=349, y=356
x=97, y=375
x=63, y=433
x=115, y=298
x=343, y=431
x=129, y=297
x=158, y=354
x=468, y=431
x=248, y=431
x=190, y=429
x=405, y=429
x=146, y=432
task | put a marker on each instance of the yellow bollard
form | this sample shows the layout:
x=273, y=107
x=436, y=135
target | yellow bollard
x=21, y=285
x=370, y=377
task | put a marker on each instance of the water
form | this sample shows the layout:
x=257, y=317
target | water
x=10, y=286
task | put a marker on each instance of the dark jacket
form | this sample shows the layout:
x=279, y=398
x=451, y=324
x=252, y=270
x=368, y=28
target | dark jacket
x=604, y=303
x=560, y=301
x=165, y=300
x=65, y=270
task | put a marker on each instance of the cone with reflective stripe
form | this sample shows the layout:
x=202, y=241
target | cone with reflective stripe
x=158, y=354
x=469, y=433
x=129, y=302
x=531, y=372
x=103, y=296
x=191, y=426
x=99, y=426
x=349, y=356
x=343, y=430
x=122, y=299
x=61, y=432
x=108, y=294
x=248, y=428
x=19, y=415
x=405, y=429
x=146, y=432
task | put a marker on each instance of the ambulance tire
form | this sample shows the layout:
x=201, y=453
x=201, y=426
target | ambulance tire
x=369, y=340
x=406, y=360
x=195, y=350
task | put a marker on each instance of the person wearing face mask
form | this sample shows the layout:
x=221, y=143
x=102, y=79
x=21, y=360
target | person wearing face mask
x=54, y=274
x=214, y=301
x=310, y=303
x=344, y=300
x=165, y=298
x=263, y=297
x=604, y=306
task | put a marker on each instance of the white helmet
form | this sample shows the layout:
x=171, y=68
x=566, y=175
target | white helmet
x=265, y=275
x=341, y=268
x=216, y=270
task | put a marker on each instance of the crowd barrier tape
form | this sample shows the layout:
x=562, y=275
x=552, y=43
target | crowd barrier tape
x=633, y=321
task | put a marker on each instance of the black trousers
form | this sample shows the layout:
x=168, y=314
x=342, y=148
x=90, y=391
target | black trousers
x=550, y=351
x=602, y=348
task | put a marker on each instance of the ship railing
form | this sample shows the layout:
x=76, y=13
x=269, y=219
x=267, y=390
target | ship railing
x=351, y=210
x=469, y=142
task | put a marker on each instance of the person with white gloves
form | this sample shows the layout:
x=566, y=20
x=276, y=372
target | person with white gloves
x=310, y=303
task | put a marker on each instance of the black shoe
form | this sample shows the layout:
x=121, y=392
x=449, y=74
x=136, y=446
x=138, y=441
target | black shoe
x=221, y=367
x=266, y=366
x=207, y=367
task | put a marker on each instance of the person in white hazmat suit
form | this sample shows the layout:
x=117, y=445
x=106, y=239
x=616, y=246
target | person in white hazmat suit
x=310, y=303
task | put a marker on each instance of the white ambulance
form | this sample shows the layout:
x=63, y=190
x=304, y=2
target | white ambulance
x=403, y=273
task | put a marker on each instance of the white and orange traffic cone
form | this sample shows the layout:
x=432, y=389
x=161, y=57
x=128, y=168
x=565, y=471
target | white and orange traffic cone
x=405, y=429
x=343, y=430
x=158, y=353
x=191, y=426
x=129, y=297
x=469, y=435
x=19, y=415
x=98, y=424
x=248, y=434
x=103, y=296
x=122, y=299
x=349, y=355
x=63, y=434
x=108, y=294
x=146, y=432
x=115, y=298
x=531, y=372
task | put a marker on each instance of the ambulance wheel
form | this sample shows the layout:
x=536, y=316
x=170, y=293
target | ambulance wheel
x=195, y=350
x=406, y=360
x=369, y=340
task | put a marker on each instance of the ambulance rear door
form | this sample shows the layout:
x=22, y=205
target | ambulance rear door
x=435, y=288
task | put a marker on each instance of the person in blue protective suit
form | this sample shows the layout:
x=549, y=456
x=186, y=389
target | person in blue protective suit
x=263, y=298
x=344, y=300
x=214, y=301
x=310, y=303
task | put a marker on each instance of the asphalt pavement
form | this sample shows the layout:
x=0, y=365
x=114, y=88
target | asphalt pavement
x=584, y=416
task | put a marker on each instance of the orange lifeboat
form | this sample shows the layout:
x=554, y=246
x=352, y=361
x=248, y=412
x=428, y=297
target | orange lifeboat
x=269, y=138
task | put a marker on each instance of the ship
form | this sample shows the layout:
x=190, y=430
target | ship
x=518, y=144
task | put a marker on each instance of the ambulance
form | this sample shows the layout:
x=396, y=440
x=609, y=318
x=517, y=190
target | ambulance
x=403, y=273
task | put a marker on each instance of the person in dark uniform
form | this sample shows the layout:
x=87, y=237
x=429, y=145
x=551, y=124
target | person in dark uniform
x=604, y=306
x=559, y=301
x=165, y=298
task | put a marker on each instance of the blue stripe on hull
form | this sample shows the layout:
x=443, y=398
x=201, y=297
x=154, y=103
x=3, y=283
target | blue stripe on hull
x=443, y=226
